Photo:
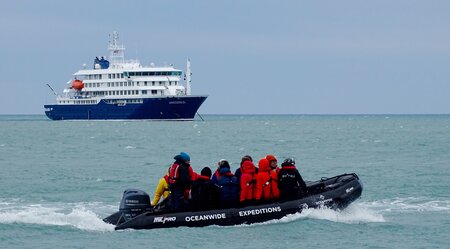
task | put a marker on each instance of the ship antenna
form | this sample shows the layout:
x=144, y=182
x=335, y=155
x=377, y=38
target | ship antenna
x=116, y=50
x=188, y=77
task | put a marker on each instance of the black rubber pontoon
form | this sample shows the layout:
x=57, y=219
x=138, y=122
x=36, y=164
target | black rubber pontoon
x=135, y=211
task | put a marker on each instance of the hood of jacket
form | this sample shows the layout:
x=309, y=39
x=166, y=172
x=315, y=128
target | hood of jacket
x=263, y=165
x=248, y=167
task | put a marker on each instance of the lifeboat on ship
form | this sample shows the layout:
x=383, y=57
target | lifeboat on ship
x=135, y=211
x=77, y=85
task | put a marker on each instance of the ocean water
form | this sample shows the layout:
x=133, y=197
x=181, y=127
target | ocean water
x=59, y=179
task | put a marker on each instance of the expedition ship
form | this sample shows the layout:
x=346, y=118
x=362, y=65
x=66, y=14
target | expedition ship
x=124, y=89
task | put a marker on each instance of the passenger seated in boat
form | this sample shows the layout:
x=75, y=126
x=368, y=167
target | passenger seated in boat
x=204, y=193
x=229, y=187
x=248, y=184
x=238, y=171
x=266, y=183
x=181, y=177
x=222, y=163
x=290, y=182
x=162, y=190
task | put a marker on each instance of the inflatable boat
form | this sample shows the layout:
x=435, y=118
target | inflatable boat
x=135, y=211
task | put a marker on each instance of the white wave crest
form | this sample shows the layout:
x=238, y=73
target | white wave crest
x=409, y=204
x=79, y=217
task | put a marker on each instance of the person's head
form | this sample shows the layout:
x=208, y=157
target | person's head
x=183, y=157
x=186, y=157
x=206, y=171
x=248, y=166
x=246, y=158
x=263, y=165
x=273, y=163
x=288, y=162
x=223, y=164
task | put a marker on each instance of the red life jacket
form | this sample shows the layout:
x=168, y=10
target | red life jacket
x=173, y=173
x=267, y=186
x=248, y=182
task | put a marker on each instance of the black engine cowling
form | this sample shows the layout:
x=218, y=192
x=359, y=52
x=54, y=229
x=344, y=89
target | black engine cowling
x=134, y=202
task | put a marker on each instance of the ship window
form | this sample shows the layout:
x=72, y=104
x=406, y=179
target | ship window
x=170, y=83
x=100, y=76
x=121, y=92
x=121, y=84
x=163, y=73
x=125, y=74
x=160, y=83
x=145, y=83
x=154, y=92
x=138, y=73
x=153, y=83
x=137, y=83
x=114, y=76
x=144, y=73
x=136, y=92
x=144, y=91
x=129, y=83
x=152, y=73
x=129, y=92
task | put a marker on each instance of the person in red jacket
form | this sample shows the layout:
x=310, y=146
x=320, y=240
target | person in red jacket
x=273, y=163
x=266, y=183
x=248, y=183
x=181, y=177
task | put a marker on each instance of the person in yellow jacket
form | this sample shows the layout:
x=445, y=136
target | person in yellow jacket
x=162, y=189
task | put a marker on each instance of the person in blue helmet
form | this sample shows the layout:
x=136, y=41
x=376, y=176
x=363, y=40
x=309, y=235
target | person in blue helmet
x=181, y=177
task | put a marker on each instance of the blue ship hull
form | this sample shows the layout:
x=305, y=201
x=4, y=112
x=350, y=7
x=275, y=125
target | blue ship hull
x=166, y=108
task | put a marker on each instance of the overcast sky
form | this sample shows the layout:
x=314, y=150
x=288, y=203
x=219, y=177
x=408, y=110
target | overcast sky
x=251, y=57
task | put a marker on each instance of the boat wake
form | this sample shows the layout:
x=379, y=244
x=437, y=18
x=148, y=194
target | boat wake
x=78, y=215
x=409, y=204
x=367, y=211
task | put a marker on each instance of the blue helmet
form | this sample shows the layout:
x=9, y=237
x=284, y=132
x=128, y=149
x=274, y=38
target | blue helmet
x=185, y=156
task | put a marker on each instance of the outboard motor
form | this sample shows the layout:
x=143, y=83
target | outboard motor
x=134, y=202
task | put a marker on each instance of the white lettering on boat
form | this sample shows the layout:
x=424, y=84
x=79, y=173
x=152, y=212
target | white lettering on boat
x=205, y=217
x=321, y=203
x=260, y=211
x=177, y=102
x=164, y=219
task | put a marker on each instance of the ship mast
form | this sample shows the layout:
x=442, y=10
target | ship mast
x=116, y=50
x=188, y=77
